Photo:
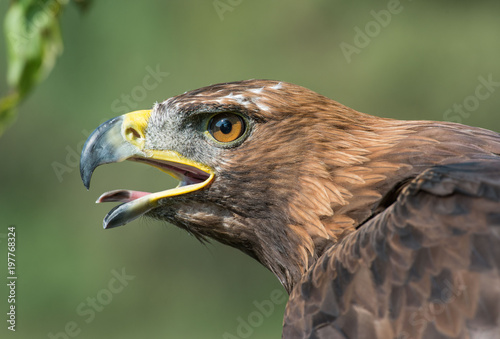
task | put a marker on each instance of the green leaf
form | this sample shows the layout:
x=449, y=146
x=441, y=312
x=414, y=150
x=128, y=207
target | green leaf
x=33, y=45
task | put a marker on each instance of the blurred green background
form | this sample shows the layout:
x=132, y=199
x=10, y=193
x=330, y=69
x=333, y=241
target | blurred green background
x=428, y=58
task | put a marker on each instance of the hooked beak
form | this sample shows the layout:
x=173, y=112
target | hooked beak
x=123, y=138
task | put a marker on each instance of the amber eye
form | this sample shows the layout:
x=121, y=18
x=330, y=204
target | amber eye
x=226, y=127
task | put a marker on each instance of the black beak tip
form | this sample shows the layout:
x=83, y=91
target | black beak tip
x=114, y=218
x=86, y=175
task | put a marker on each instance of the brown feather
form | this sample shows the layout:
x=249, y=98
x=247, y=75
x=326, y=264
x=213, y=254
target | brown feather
x=376, y=227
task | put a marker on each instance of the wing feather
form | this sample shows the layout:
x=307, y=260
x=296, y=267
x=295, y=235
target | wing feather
x=425, y=267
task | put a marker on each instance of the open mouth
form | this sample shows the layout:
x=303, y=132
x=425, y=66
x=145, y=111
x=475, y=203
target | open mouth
x=137, y=203
x=187, y=175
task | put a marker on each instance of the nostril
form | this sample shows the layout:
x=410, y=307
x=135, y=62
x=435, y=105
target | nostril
x=134, y=136
x=132, y=133
x=133, y=129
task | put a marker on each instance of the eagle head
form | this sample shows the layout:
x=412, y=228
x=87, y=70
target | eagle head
x=256, y=161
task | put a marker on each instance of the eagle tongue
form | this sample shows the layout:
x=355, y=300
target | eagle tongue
x=121, y=196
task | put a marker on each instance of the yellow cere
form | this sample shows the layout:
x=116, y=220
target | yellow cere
x=134, y=127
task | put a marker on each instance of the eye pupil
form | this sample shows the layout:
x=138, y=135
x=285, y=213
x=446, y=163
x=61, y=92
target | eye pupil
x=226, y=127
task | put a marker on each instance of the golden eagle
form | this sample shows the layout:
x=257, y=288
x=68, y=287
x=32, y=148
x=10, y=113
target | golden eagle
x=377, y=228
